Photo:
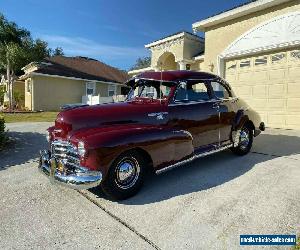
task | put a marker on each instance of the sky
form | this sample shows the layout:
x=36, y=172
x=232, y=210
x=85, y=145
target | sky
x=111, y=31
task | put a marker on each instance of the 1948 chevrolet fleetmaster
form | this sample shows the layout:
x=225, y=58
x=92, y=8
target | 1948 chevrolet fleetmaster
x=169, y=118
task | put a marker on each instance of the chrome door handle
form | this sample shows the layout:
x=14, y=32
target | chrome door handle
x=216, y=105
x=159, y=115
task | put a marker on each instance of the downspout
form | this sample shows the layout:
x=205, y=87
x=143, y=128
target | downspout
x=32, y=94
x=221, y=66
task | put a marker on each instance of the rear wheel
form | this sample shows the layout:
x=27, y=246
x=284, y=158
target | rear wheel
x=245, y=141
x=125, y=177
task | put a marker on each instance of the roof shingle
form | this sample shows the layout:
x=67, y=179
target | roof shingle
x=82, y=67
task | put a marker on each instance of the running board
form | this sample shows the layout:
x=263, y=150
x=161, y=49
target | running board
x=194, y=157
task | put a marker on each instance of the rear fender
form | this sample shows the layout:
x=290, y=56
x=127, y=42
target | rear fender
x=242, y=117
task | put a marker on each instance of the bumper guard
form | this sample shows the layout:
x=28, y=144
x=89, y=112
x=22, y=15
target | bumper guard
x=81, y=179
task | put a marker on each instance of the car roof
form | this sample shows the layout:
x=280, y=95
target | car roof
x=173, y=76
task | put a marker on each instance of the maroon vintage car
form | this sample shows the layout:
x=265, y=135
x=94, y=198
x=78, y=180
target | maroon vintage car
x=169, y=118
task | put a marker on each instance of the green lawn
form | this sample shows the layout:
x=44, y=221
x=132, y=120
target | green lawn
x=297, y=247
x=30, y=117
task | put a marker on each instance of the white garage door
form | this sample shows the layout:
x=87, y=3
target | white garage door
x=270, y=84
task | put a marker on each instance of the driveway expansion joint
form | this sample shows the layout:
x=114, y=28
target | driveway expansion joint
x=151, y=243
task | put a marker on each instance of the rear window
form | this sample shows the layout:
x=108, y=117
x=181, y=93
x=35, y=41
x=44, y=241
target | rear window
x=220, y=91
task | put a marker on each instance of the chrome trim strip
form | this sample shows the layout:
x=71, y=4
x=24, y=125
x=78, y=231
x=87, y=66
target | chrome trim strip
x=192, y=102
x=158, y=113
x=219, y=101
x=194, y=157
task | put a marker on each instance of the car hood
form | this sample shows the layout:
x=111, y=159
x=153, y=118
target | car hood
x=133, y=112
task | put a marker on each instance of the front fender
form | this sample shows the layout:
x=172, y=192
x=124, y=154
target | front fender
x=164, y=145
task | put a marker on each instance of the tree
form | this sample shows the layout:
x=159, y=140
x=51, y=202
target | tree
x=142, y=62
x=11, y=39
x=58, y=52
x=17, y=49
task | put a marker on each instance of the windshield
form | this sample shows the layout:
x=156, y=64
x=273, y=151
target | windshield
x=150, y=89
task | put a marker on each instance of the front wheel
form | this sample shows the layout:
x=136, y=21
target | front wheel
x=245, y=141
x=125, y=177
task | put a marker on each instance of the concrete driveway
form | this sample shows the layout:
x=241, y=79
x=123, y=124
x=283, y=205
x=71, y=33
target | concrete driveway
x=204, y=205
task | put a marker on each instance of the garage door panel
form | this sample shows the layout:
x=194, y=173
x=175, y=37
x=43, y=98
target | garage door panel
x=276, y=90
x=277, y=74
x=294, y=72
x=260, y=91
x=256, y=104
x=293, y=104
x=293, y=120
x=231, y=77
x=276, y=104
x=244, y=76
x=293, y=89
x=277, y=120
x=259, y=76
x=270, y=84
x=243, y=90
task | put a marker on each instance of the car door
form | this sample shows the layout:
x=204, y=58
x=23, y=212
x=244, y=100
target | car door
x=193, y=110
x=226, y=106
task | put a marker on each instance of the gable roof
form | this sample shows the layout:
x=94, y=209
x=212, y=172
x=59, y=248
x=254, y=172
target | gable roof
x=82, y=68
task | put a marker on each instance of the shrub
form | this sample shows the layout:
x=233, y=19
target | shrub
x=3, y=136
x=19, y=99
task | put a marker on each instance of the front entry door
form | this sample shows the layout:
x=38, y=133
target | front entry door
x=194, y=110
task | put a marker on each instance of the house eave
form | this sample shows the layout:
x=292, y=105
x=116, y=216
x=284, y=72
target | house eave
x=68, y=77
x=170, y=38
x=199, y=58
x=235, y=13
x=137, y=71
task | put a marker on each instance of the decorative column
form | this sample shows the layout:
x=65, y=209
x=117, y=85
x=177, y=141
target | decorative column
x=182, y=65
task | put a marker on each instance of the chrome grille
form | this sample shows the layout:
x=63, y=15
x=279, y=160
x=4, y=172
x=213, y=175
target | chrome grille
x=65, y=151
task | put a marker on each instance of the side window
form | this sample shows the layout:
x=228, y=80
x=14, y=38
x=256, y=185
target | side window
x=112, y=89
x=192, y=92
x=220, y=91
x=90, y=88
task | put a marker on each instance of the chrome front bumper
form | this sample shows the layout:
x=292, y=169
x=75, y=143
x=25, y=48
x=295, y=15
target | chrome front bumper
x=82, y=178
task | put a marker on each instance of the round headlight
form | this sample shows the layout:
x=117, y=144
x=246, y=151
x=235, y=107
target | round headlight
x=81, y=149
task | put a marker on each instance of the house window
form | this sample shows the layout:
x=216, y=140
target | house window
x=90, y=88
x=244, y=64
x=261, y=61
x=188, y=67
x=295, y=54
x=231, y=65
x=112, y=89
x=28, y=86
x=277, y=57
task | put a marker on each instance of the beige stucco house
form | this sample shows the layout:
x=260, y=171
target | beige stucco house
x=62, y=80
x=256, y=47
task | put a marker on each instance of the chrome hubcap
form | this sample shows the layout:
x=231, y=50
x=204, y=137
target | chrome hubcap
x=127, y=173
x=244, y=138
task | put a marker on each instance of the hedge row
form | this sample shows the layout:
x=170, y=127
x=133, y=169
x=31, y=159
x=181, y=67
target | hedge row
x=3, y=136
